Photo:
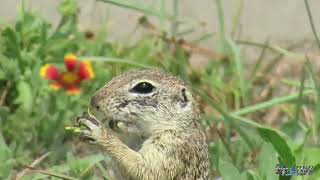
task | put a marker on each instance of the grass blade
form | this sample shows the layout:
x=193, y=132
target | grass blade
x=139, y=7
x=273, y=48
x=271, y=103
x=236, y=17
x=175, y=23
x=316, y=84
x=300, y=96
x=238, y=69
x=221, y=20
x=314, y=31
x=115, y=60
x=202, y=38
x=61, y=176
x=259, y=61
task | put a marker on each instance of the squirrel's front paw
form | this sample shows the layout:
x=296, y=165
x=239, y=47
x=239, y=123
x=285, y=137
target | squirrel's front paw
x=93, y=130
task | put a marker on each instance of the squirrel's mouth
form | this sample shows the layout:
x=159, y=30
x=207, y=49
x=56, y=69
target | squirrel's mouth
x=121, y=126
x=113, y=123
x=117, y=125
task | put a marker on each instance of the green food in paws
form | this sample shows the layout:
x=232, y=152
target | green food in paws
x=75, y=130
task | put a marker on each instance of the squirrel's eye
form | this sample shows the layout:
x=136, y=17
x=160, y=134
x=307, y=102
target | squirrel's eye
x=142, y=88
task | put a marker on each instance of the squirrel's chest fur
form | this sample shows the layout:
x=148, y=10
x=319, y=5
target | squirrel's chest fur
x=179, y=156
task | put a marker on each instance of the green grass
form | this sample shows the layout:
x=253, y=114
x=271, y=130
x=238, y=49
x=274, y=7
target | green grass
x=242, y=143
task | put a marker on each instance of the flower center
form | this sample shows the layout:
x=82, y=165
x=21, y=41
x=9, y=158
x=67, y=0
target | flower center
x=69, y=78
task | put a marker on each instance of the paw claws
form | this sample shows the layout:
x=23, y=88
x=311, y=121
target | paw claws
x=88, y=136
x=93, y=142
x=93, y=129
x=87, y=116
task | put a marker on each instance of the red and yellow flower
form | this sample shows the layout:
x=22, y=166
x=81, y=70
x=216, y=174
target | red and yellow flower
x=70, y=80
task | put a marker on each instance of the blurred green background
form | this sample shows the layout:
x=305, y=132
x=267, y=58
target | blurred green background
x=255, y=114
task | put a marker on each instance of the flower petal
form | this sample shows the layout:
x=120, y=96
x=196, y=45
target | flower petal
x=85, y=71
x=70, y=61
x=55, y=86
x=73, y=90
x=49, y=71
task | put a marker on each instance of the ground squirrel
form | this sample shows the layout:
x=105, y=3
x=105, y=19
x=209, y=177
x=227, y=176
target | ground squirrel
x=161, y=110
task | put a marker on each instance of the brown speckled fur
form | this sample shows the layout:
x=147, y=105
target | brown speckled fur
x=173, y=145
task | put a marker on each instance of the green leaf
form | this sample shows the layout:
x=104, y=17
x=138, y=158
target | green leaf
x=229, y=172
x=316, y=171
x=279, y=144
x=252, y=175
x=6, y=160
x=267, y=162
x=273, y=136
x=10, y=68
x=29, y=27
x=309, y=156
x=24, y=96
x=68, y=8
x=10, y=43
x=312, y=155
x=2, y=75
x=4, y=112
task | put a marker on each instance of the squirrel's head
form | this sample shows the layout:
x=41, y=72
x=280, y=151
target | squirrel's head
x=146, y=101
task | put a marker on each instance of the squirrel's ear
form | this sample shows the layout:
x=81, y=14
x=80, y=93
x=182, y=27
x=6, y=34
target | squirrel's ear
x=185, y=97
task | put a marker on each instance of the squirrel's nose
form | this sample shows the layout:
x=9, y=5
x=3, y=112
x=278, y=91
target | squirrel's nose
x=94, y=102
